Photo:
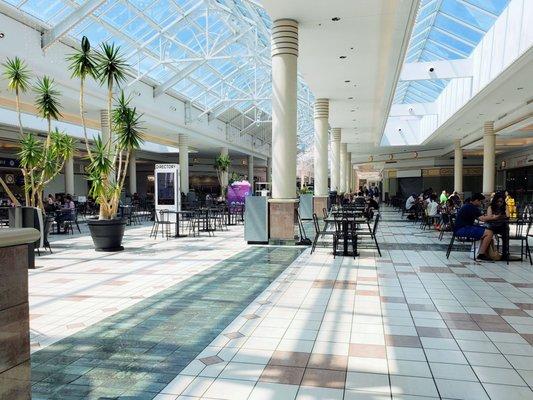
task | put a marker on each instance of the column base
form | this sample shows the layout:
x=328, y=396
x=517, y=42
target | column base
x=281, y=221
x=319, y=203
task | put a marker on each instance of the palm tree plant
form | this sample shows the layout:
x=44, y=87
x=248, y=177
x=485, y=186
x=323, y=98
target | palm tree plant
x=111, y=71
x=44, y=161
x=126, y=122
x=222, y=164
x=17, y=75
x=83, y=65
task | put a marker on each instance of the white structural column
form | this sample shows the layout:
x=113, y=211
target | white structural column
x=458, y=167
x=69, y=175
x=321, y=147
x=184, y=163
x=343, y=169
x=132, y=172
x=349, y=170
x=284, y=112
x=251, y=169
x=224, y=151
x=489, y=157
x=335, y=158
x=269, y=169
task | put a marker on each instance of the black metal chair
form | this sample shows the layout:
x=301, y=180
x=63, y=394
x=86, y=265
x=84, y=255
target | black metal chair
x=372, y=233
x=161, y=220
x=341, y=234
x=522, y=233
x=461, y=239
x=70, y=218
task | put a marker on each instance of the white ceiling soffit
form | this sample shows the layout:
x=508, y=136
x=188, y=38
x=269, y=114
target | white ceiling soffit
x=372, y=37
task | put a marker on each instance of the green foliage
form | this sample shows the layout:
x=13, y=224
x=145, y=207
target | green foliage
x=17, y=75
x=305, y=190
x=47, y=98
x=110, y=65
x=99, y=169
x=31, y=150
x=222, y=163
x=83, y=61
x=127, y=123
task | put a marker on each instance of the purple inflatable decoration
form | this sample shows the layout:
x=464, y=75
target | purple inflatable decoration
x=237, y=192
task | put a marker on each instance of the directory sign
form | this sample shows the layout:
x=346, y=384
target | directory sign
x=167, y=188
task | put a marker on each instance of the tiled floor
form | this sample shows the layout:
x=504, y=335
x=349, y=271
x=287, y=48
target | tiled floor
x=409, y=325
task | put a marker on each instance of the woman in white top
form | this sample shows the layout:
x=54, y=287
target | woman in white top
x=432, y=207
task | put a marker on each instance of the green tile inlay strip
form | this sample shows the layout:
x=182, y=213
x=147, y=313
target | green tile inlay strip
x=138, y=351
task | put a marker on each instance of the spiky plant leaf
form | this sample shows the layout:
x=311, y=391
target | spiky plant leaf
x=127, y=124
x=17, y=75
x=111, y=66
x=83, y=63
x=47, y=98
x=31, y=150
x=222, y=162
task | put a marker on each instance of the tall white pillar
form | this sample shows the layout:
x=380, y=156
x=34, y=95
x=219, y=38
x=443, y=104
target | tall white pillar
x=335, y=158
x=343, y=169
x=348, y=172
x=224, y=151
x=284, y=112
x=489, y=157
x=269, y=169
x=458, y=167
x=251, y=169
x=69, y=175
x=184, y=163
x=321, y=147
x=132, y=172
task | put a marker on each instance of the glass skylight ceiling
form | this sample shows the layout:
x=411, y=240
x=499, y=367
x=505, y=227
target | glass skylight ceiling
x=445, y=30
x=214, y=53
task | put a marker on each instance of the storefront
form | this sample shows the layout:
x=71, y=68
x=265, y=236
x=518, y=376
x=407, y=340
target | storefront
x=517, y=174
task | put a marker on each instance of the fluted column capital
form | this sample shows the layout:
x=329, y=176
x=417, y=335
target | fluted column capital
x=284, y=37
x=336, y=134
x=322, y=108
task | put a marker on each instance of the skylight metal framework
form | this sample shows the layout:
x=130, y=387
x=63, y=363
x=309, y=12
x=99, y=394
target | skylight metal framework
x=445, y=30
x=213, y=53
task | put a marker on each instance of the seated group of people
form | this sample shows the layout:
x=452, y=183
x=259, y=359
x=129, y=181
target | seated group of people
x=494, y=223
x=501, y=207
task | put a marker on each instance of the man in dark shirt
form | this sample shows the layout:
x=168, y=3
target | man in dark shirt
x=464, y=224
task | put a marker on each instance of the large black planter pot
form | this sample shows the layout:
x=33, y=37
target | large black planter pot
x=107, y=234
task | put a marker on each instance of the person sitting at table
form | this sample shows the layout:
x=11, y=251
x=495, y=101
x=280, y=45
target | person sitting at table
x=465, y=225
x=50, y=204
x=499, y=208
x=410, y=202
x=432, y=208
x=455, y=199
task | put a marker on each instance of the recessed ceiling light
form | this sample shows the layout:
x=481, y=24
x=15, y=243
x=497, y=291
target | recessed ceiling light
x=336, y=19
x=342, y=57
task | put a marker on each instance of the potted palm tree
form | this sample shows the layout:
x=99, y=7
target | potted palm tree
x=110, y=153
x=222, y=164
